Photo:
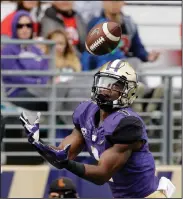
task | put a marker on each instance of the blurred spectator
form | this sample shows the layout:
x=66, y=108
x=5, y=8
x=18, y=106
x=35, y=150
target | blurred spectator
x=66, y=59
x=63, y=188
x=88, y=9
x=131, y=43
x=62, y=15
x=34, y=7
x=90, y=62
x=22, y=28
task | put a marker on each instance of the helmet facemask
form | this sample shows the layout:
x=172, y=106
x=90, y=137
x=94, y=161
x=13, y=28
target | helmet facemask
x=111, y=91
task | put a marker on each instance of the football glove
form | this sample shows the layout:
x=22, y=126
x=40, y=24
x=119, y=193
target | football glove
x=54, y=156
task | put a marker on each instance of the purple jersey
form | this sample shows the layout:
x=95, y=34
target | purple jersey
x=136, y=178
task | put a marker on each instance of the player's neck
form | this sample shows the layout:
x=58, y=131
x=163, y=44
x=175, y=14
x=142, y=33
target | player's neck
x=103, y=115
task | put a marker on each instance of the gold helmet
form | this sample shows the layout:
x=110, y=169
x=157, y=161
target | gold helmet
x=116, y=76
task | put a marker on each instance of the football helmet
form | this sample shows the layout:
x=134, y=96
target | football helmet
x=115, y=85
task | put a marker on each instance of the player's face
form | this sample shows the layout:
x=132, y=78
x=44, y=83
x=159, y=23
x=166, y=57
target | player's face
x=110, y=88
x=60, y=43
x=113, y=7
x=24, y=28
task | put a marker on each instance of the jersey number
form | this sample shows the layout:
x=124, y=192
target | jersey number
x=96, y=156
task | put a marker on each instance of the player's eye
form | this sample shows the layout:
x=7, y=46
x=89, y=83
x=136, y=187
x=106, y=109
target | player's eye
x=117, y=87
x=109, y=85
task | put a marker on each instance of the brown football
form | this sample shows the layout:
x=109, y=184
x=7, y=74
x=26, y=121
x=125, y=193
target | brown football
x=103, y=38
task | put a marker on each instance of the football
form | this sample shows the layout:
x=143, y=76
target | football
x=103, y=38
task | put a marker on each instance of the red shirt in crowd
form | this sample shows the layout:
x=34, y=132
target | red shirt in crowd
x=71, y=29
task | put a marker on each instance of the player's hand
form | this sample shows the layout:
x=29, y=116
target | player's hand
x=31, y=130
x=55, y=156
x=58, y=155
x=153, y=56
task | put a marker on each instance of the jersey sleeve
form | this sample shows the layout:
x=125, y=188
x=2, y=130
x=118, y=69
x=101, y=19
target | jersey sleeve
x=128, y=131
x=75, y=117
x=78, y=114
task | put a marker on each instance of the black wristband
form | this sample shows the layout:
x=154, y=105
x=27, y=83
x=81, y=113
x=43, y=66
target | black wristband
x=76, y=168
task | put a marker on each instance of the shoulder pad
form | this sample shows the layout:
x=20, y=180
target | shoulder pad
x=113, y=120
x=128, y=131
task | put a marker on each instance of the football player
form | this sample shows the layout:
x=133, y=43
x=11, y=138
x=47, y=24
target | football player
x=113, y=134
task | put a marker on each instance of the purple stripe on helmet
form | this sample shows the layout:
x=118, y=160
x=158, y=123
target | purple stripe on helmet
x=118, y=65
x=109, y=65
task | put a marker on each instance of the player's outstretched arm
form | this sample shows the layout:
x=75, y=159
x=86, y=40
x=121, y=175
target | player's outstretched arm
x=68, y=149
x=77, y=142
x=110, y=162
